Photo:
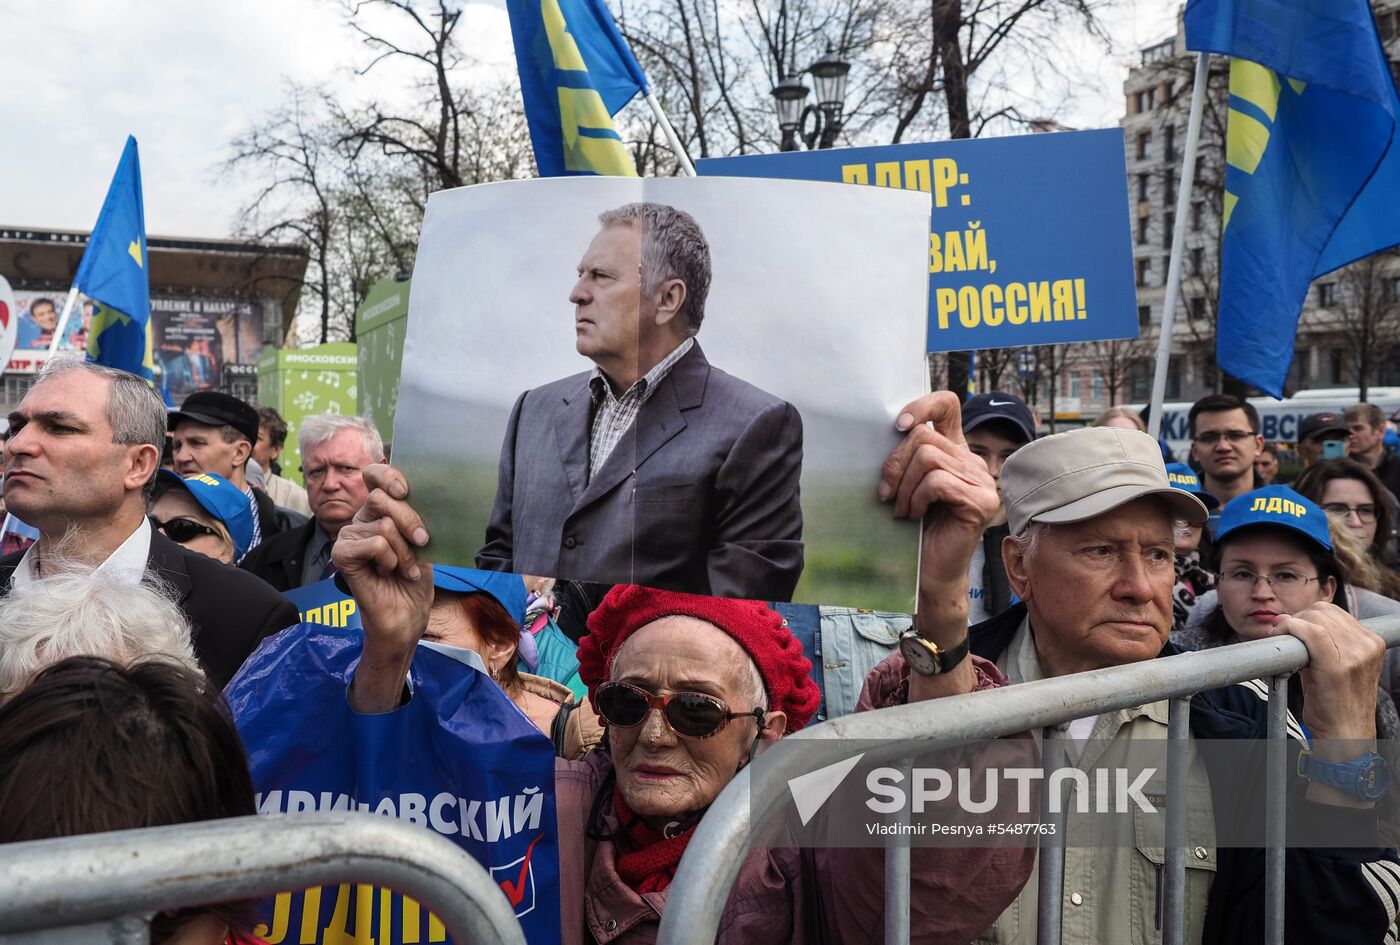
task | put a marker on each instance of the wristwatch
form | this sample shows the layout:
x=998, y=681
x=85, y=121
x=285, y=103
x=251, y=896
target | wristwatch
x=1366, y=778
x=926, y=658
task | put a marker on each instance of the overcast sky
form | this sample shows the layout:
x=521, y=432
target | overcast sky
x=186, y=77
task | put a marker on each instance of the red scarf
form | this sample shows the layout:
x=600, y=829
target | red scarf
x=646, y=860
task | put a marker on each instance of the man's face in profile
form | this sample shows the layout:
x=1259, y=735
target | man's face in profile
x=607, y=296
x=44, y=315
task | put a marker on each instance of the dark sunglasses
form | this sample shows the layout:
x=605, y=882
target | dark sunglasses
x=689, y=714
x=183, y=530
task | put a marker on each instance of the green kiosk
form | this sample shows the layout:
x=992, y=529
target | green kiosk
x=380, y=325
x=300, y=382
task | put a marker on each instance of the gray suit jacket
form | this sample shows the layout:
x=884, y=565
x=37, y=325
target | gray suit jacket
x=701, y=495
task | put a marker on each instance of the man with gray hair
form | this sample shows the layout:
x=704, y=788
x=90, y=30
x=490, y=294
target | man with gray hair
x=334, y=449
x=80, y=462
x=1090, y=556
x=655, y=467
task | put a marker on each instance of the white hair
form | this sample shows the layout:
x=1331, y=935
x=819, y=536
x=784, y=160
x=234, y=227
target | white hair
x=80, y=612
x=1029, y=540
x=318, y=428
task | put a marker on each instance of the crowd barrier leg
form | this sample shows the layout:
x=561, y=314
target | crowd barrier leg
x=1174, y=893
x=1051, y=892
x=897, y=903
x=1276, y=809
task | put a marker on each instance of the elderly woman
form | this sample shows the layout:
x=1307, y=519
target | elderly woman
x=75, y=612
x=205, y=513
x=687, y=686
x=480, y=611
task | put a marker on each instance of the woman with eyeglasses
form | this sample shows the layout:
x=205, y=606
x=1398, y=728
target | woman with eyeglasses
x=1275, y=557
x=205, y=513
x=1355, y=497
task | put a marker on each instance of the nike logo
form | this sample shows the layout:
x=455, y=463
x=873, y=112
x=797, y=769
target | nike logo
x=1000, y=403
x=515, y=891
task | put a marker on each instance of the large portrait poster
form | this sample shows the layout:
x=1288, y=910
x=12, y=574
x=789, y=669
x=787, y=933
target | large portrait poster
x=689, y=384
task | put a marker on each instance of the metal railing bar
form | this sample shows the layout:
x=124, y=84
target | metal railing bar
x=1050, y=894
x=897, y=875
x=1276, y=809
x=1174, y=888
x=91, y=878
x=712, y=859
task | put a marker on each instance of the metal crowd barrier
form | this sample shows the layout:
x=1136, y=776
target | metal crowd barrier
x=712, y=860
x=103, y=888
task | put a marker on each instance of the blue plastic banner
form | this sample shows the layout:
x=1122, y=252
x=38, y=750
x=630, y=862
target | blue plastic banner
x=458, y=759
x=325, y=604
x=1030, y=241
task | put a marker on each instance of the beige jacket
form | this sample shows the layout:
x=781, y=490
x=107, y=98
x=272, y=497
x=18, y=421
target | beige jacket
x=286, y=493
x=583, y=730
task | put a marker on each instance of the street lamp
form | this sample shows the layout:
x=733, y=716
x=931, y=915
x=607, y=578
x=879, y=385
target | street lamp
x=829, y=76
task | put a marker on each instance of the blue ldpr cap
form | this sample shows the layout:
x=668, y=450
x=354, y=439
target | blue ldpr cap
x=1276, y=505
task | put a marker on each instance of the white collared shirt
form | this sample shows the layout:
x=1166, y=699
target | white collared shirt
x=126, y=565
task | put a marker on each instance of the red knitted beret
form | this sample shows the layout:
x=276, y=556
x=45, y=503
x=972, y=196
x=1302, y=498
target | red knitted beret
x=787, y=674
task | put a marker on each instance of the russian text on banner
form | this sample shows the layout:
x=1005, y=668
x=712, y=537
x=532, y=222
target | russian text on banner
x=1030, y=241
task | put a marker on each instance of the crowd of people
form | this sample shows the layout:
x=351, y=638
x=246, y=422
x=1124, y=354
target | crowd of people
x=168, y=542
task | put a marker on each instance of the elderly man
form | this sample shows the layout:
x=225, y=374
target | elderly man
x=81, y=459
x=335, y=449
x=1090, y=555
x=214, y=432
x=688, y=685
x=655, y=467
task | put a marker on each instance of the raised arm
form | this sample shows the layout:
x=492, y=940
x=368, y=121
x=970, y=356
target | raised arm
x=933, y=476
x=377, y=554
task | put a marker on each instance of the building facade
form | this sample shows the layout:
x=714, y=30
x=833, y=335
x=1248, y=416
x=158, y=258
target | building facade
x=215, y=305
x=1351, y=319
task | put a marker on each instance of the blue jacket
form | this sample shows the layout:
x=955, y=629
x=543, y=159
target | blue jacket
x=1344, y=895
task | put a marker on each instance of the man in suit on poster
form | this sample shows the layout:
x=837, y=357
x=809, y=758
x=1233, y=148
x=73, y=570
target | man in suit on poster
x=655, y=467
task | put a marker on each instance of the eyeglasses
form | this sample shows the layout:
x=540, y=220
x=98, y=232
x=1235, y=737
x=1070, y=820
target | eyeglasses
x=689, y=714
x=319, y=473
x=183, y=530
x=1365, y=514
x=1212, y=437
x=1280, y=580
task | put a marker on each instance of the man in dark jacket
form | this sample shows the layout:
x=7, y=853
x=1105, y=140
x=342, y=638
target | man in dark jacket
x=1091, y=556
x=214, y=432
x=334, y=449
x=84, y=450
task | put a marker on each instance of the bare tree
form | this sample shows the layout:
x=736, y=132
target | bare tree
x=1368, y=314
x=296, y=153
x=1116, y=362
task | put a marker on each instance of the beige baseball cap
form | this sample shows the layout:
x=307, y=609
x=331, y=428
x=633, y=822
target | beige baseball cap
x=1072, y=477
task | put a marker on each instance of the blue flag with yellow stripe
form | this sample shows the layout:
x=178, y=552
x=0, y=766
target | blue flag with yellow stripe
x=576, y=73
x=113, y=274
x=1312, y=181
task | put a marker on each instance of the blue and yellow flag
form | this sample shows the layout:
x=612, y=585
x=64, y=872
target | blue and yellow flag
x=1312, y=181
x=113, y=274
x=576, y=72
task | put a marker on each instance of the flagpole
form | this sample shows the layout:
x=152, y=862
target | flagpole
x=676, y=148
x=1183, y=206
x=63, y=321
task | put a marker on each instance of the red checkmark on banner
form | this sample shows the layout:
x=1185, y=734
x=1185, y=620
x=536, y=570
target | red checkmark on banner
x=515, y=891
